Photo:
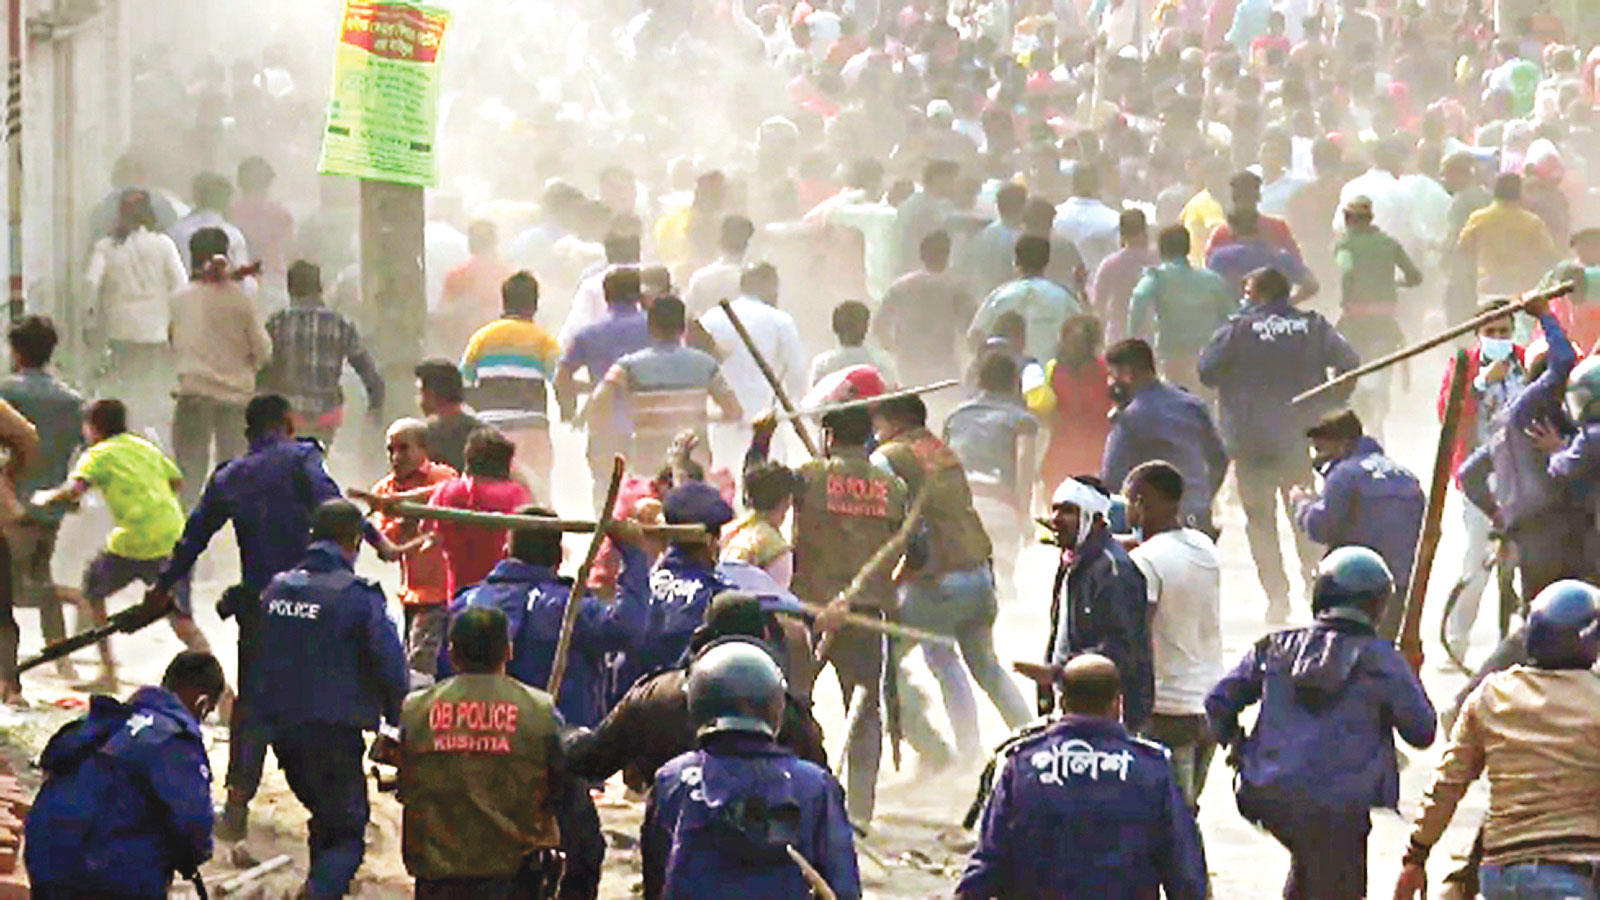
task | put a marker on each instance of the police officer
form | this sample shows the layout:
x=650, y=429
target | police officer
x=1322, y=753
x=723, y=819
x=533, y=596
x=126, y=799
x=1367, y=500
x=651, y=724
x=1257, y=362
x=1575, y=465
x=1531, y=729
x=269, y=495
x=845, y=509
x=1084, y=810
x=682, y=583
x=330, y=664
x=480, y=773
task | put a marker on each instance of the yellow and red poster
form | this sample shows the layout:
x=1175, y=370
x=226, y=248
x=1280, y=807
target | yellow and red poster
x=383, y=109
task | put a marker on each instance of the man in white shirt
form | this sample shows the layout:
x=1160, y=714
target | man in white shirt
x=720, y=280
x=775, y=336
x=1090, y=224
x=1184, y=580
x=212, y=195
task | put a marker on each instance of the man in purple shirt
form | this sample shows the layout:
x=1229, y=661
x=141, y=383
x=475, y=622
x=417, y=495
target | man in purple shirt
x=1117, y=274
x=595, y=349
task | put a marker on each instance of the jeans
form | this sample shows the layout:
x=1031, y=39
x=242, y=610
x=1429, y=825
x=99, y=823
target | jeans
x=425, y=634
x=1536, y=881
x=33, y=548
x=1192, y=748
x=205, y=434
x=322, y=763
x=961, y=604
x=1008, y=530
x=1475, y=568
x=1262, y=484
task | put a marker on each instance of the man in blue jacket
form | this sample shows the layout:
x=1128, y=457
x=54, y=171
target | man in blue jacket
x=269, y=495
x=724, y=819
x=1156, y=421
x=681, y=585
x=527, y=588
x=1575, y=464
x=1099, y=603
x=1368, y=500
x=1544, y=520
x=126, y=799
x=1085, y=810
x=331, y=664
x=1322, y=752
x=1257, y=362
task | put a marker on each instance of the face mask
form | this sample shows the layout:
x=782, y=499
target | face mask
x=1495, y=350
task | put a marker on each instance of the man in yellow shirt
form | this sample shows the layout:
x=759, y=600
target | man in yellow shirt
x=506, y=367
x=140, y=485
x=1511, y=244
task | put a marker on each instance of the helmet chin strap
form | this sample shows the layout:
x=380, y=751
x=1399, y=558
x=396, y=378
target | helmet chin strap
x=1348, y=614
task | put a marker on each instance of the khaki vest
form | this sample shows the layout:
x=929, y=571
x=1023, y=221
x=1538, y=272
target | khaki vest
x=475, y=777
x=846, y=511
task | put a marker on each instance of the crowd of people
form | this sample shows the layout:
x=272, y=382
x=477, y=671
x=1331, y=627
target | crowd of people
x=1131, y=238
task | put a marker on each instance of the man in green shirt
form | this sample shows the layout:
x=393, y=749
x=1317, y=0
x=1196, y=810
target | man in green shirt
x=1188, y=305
x=140, y=485
x=1369, y=302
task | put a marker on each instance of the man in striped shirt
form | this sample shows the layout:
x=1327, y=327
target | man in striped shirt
x=506, y=366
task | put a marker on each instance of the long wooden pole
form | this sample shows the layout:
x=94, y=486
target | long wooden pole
x=1432, y=525
x=569, y=621
x=772, y=379
x=681, y=533
x=868, y=401
x=1449, y=334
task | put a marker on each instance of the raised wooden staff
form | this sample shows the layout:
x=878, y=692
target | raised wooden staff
x=1410, y=642
x=1449, y=334
x=679, y=533
x=771, y=376
x=868, y=401
x=569, y=621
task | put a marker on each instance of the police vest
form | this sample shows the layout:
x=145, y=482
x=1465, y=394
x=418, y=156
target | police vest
x=475, y=777
x=848, y=508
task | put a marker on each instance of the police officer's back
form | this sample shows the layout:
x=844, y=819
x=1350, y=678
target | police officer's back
x=330, y=664
x=722, y=818
x=1322, y=751
x=126, y=800
x=1084, y=810
x=480, y=767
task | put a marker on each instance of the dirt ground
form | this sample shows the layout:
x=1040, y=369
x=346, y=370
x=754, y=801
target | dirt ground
x=916, y=848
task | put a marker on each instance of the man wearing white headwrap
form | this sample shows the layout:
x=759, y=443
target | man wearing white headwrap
x=1099, y=603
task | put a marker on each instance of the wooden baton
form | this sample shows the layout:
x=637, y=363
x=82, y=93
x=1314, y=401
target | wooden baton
x=680, y=533
x=1410, y=642
x=569, y=621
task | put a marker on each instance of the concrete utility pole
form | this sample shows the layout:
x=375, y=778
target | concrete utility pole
x=393, y=291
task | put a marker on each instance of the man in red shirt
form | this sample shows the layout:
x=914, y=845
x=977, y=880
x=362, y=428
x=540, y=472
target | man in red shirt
x=1270, y=230
x=470, y=551
x=470, y=298
x=413, y=476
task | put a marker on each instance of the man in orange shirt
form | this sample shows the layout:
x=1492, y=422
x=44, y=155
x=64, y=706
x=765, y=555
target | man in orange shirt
x=412, y=475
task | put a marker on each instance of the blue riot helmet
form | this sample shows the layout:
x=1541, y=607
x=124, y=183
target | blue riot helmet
x=735, y=685
x=1352, y=580
x=1564, y=626
x=1583, y=390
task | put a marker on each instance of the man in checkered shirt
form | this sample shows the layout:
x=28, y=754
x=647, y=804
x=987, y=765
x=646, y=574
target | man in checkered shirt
x=310, y=346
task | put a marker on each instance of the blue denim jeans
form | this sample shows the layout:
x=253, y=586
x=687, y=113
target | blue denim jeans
x=1536, y=881
x=961, y=604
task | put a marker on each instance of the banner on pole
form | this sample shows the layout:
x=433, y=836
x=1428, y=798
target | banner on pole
x=383, y=107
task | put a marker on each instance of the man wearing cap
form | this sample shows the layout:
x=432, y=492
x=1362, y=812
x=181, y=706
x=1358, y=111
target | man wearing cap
x=1367, y=500
x=1368, y=259
x=1099, y=603
x=681, y=585
x=845, y=509
x=651, y=724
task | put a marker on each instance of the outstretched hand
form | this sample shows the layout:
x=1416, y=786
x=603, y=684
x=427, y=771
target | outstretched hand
x=1412, y=884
